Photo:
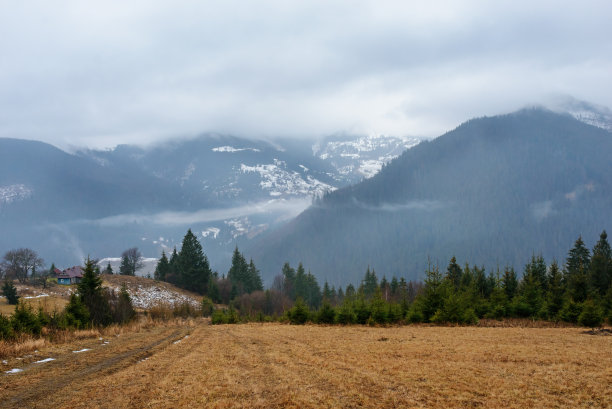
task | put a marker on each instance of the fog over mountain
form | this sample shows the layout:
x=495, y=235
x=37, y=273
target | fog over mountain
x=228, y=189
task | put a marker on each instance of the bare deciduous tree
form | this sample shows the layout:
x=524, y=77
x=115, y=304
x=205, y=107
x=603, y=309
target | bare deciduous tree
x=19, y=263
x=131, y=261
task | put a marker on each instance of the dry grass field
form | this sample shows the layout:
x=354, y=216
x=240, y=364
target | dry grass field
x=275, y=365
x=50, y=303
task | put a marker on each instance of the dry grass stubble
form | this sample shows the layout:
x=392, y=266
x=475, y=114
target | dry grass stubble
x=275, y=365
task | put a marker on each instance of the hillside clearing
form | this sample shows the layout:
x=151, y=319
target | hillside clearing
x=275, y=365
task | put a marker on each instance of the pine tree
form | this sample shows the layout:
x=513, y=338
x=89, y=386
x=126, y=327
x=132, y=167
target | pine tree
x=172, y=275
x=255, y=283
x=238, y=273
x=163, y=268
x=300, y=284
x=509, y=283
x=600, y=273
x=108, y=269
x=10, y=292
x=289, y=281
x=556, y=290
x=576, y=271
x=192, y=265
x=91, y=294
x=327, y=295
x=454, y=273
x=369, y=283
x=537, y=268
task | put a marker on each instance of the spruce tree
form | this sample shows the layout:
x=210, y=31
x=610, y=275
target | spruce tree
x=289, y=281
x=108, y=269
x=255, y=283
x=576, y=271
x=172, y=275
x=369, y=283
x=238, y=273
x=509, y=283
x=600, y=273
x=454, y=273
x=556, y=290
x=91, y=294
x=537, y=268
x=10, y=292
x=192, y=265
x=163, y=268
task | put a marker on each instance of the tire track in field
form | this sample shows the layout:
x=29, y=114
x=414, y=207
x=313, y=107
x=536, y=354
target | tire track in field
x=50, y=391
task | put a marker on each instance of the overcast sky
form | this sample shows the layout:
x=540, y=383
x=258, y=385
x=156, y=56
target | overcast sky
x=80, y=73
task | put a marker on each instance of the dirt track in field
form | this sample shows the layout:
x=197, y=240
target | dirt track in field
x=280, y=366
x=49, y=384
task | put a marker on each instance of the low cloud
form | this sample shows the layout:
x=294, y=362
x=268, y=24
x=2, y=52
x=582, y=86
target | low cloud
x=282, y=209
x=277, y=68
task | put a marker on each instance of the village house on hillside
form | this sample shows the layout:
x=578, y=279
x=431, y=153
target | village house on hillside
x=72, y=275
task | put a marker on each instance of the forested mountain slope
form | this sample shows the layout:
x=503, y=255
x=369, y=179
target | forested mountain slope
x=493, y=191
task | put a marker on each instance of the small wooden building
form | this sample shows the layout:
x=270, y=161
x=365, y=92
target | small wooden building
x=72, y=275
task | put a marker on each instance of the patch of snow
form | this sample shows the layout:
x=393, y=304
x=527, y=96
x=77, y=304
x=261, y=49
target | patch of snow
x=14, y=193
x=37, y=296
x=211, y=230
x=232, y=149
x=178, y=341
x=147, y=297
x=5, y=362
x=42, y=361
x=304, y=168
x=13, y=371
x=369, y=168
x=82, y=350
x=278, y=180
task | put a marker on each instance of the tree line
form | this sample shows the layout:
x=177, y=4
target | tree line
x=580, y=291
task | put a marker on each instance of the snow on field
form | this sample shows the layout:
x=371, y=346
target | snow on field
x=13, y=371
x=37, y=296
x=179, y=341
x=147, y=297
x=82, y=350
x=42, y=361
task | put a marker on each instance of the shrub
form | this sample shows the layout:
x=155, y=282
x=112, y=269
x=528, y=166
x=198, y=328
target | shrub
x=6, y=329
x=25, y=321
x=345, y=314
x=207, y=306
x=225, y=316
x=362, y=311
x=395, y=313
x=300, y=313
x=591, y=315
x=326, y=314
x=77, y=314
x=571, y=311
x=414, y=314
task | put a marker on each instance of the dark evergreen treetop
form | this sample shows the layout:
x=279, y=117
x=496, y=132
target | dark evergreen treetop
x=578, y=258
x=163, y=267
x=192, y=265
x=600, y=274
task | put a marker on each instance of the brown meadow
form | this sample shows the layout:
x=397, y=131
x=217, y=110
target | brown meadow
x=276, y=365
